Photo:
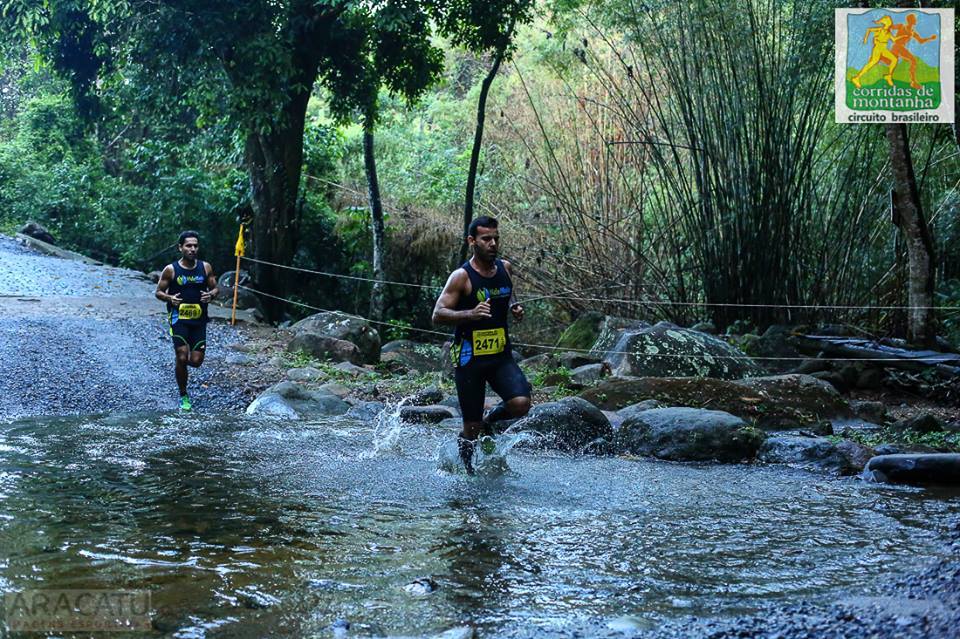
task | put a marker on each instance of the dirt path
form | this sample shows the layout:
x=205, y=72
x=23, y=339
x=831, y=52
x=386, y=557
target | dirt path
x=83, y=338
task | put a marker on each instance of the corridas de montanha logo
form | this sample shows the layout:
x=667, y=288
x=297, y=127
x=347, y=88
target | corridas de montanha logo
x=894, y=65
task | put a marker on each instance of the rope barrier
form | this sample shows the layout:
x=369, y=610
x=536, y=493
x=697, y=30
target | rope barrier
x=948, y=309
x=932, y=358
x=340, y=275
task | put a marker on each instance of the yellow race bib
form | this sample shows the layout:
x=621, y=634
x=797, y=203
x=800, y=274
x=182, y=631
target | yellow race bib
x=489, y=342
x=189, y=311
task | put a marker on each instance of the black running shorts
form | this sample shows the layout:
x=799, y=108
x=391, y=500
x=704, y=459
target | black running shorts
x=193, y=336
x=501, y=372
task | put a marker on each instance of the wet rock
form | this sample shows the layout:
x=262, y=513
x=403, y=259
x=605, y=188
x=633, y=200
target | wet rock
x=426, y=414
x=37, y=231
x=365, y=411
x=811, y=366
x=349, y=328
x=688, y=434
x=569, y=424
x=426, y=396
x=337, y=389
x=820, y=428
x=705, y=327
x=306, y=374
x=856, y=454
x=289, y=400
x=589, y=374
x=874, y=412
x=272, y=405
x=871, y=379
x=325, y=347
x=154, y=276
x=451, y=422
x=609, y=333
x=904, y=449
x=544, y=361
x=924, y=423
x=573, y=360
x=833, y=378
x=421, y=587
x=451, y=401
x=920, y=470
x=779, y=401
x=423, y=358
x=776, y=347
x=351, y=369
x=667, y=350
x=582, y=333
x=817, y=453
x=849, y=427
x=630, y=411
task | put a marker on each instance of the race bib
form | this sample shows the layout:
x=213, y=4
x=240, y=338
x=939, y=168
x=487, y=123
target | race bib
x=189, y=311
x=489, y=342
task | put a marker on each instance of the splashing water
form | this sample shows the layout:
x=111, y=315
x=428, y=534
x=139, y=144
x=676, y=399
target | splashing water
x=493, y=464
x=387, y=431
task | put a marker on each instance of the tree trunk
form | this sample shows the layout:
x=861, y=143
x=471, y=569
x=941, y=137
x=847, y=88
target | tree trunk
x=274, y=162
x=909, y=219
x=376, y=220
x=475, y=153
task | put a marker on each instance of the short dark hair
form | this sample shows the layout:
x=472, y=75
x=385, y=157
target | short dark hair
x=187, y=234
x=485, y=221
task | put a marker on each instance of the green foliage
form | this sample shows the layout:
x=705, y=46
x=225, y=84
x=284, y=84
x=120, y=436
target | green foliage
x=949, y=296
x=942, y=441
x=398, y=329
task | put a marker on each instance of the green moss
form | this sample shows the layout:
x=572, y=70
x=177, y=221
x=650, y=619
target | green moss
x=582, y=334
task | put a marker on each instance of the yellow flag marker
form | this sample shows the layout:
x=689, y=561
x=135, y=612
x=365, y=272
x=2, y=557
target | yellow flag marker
x=236, y=275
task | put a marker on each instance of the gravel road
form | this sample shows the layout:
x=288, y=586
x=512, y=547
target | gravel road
x=80, y=338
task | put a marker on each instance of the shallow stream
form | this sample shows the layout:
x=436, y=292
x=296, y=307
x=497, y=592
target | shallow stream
x=247, y=528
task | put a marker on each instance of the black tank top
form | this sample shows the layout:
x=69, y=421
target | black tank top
x=189, y=284
x=489, y=337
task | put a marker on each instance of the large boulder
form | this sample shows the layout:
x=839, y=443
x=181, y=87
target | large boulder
x=688, y=434
x=583, y=333
x=589, y=374
x=423, y=358
x=569, y=424
x=782, y=401
x=818, y=453
x=245, y=297
x=37, y=231
x=920, y=470
x=433, y=414
x=325, y=347
x=288, y=400
x=609, y=332
x=776, y=347
x=667, y=350
x=350, y=328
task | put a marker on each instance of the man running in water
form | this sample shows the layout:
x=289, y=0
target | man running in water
x=476, y=299
x=187, y=286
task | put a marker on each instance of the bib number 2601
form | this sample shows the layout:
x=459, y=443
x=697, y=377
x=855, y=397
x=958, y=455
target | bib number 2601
x=489, y=342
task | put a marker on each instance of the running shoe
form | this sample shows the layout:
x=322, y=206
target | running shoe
x=185, y=404
x=487, y=445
